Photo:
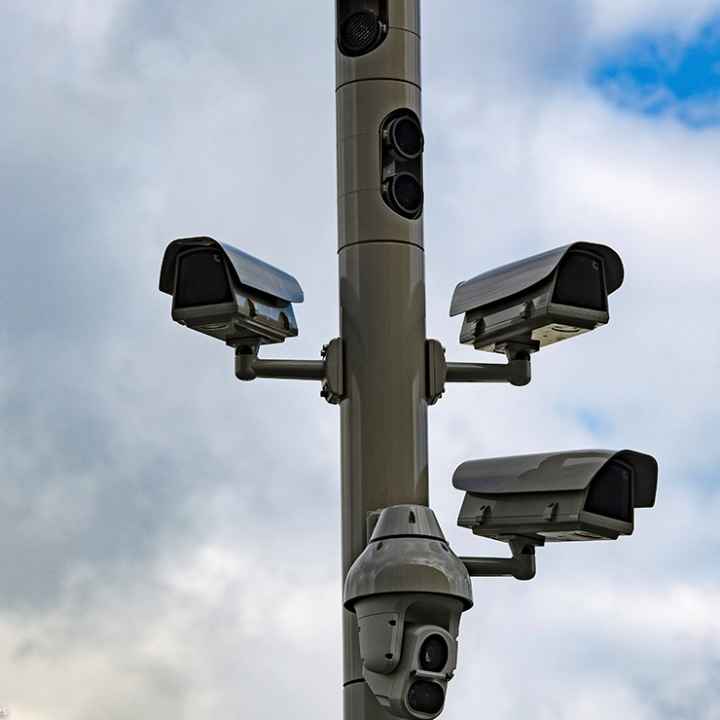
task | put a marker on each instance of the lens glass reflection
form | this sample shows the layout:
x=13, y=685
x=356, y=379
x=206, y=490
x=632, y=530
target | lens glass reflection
x=360, y=32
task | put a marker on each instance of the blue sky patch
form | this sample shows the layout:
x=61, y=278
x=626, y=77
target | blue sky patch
x=665, y=75
x=594, y=422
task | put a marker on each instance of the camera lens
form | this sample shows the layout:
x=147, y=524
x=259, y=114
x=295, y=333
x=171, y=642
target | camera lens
x=406, y=194
x=426, y=697
x=581, y=282
x=360, y=33
x=201, y=279
x=434, y=654
x=406, y=137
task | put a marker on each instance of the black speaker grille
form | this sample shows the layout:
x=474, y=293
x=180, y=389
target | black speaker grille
x=360, y=33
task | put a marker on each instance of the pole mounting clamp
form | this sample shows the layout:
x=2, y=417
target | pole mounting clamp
x=330, y=371
x=516, y=371
x=333, y=389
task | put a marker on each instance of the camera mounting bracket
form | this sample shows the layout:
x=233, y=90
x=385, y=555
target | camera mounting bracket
x=328, y=371
x=517, y=370
x=520, y=566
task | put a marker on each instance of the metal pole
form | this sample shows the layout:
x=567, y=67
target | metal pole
x=382, y=306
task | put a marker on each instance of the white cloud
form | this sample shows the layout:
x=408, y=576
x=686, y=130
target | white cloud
x=79, y=21
x=680, y=17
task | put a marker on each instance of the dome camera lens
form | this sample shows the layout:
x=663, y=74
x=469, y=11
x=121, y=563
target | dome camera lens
x=406, y=194
x=426, y=697
x=360, y=33
x=434, y=654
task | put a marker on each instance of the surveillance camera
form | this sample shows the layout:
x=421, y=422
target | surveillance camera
x=553, y=497
x=223, y=292
x=403, y=144
x=540, y=300
x=408, y=590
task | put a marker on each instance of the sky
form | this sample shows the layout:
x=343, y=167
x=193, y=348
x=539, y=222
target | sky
x=170, y=537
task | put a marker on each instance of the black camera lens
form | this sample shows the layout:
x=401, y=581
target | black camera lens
x=360, y=33
x=434, y=654
x=201, y=279
x=406, y=194
x=406, y=137
x=581, y=282
x=426, y=697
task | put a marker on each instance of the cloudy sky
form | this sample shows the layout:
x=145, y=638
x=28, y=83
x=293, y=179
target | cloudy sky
x=170, y=536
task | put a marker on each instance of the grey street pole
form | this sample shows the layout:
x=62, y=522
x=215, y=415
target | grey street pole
x=382, y=306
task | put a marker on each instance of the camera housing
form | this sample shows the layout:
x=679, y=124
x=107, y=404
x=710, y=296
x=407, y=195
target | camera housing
x=403, y=144
x=554, y=497
x=223, y=292
x=540, y=300
x=408, y=591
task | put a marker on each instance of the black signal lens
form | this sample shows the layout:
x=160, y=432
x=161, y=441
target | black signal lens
x=201, y=279
x=426, y=697
x=434, y=654
x=360, y=33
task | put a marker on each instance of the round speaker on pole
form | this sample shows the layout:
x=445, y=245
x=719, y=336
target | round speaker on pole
x=360, y=33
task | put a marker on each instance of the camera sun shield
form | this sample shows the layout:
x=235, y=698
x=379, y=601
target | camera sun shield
x=555, y=497
x=223, y=292
x=540, y=300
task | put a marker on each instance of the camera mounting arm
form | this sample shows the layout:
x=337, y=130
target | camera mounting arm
x=329, y=370
x=517, y=370
x=520, y=566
